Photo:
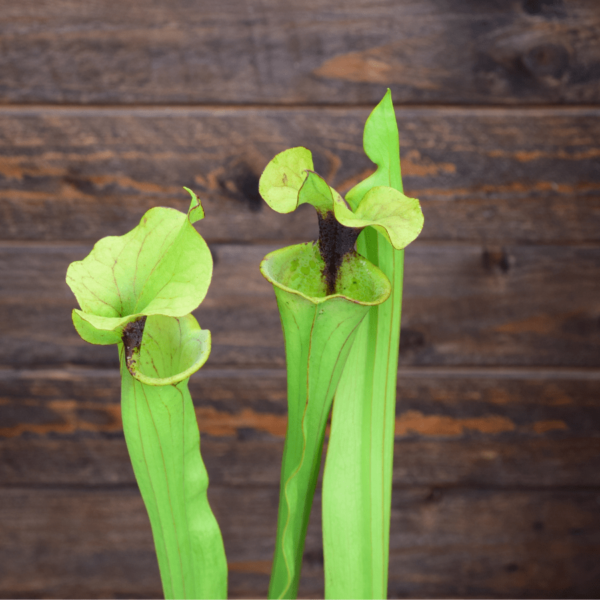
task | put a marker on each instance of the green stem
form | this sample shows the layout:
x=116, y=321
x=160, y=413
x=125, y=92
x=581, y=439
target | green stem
x=358, y=469
x=319, y=330
x=317, y=341
x=163, y=440
x=357, y=482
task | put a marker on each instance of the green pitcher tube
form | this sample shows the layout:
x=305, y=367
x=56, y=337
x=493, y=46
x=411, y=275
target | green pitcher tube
x=357, y=484
x=325, y=291
x=137, y=291
x=319, y=330
x=163, y=441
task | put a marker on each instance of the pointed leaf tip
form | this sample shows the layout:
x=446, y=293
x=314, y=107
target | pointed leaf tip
x=382, y=145
x=195, y=211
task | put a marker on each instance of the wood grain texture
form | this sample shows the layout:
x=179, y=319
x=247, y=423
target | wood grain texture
x=463, y=305
x=450, y=542
x=478, y=427
x=550, y=459
x=484, y=175
x=235, y=52
x=108, y=108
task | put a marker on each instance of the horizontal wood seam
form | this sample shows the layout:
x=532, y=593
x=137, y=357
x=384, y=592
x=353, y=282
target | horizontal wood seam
x=280, y=107
x=554, y=373
x=440, y=489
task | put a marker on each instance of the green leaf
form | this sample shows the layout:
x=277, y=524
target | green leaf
x=136, y=290
x=315, y=191
x=318, y=332
x=288, y=181
x=283, y=177
x=162, y=267
x=100, y=330
x=398, y=218
x=358, y=469
x=195, y=211
x=389, y=221
x=164, y=445
x=382, y=146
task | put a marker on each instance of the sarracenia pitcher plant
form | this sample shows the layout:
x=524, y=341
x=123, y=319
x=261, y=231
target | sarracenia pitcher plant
x=340, y=313
x=339, y=299
x=137, y=291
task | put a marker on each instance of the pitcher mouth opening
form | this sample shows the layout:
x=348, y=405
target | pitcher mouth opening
x=300, y=269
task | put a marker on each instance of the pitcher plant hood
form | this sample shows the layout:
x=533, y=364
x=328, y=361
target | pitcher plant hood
x=144, y=284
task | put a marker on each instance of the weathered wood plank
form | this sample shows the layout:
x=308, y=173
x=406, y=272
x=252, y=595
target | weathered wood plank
x=479, y=428
x=85, y=460
x=444, y=543
x=484, y=175
x=234, y=52
x=463, y=305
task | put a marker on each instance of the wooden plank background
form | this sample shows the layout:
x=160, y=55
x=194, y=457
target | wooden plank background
x=108, y=108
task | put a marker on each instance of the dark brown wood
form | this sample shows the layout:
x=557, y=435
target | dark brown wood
x=475, y=428
x=463, y=305
x=444, y=542
x=543, y=51
x=484, y=175
x=117, y=105
x=552, y=458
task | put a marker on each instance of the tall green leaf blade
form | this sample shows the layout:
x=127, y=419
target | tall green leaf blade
x=163, y=440
x=318, y=331
x=382, y=145
x=358, y=469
